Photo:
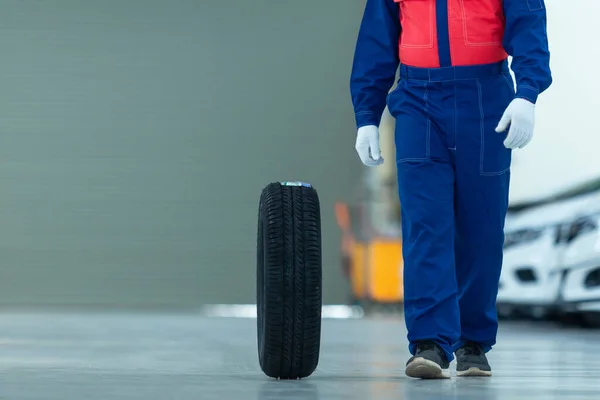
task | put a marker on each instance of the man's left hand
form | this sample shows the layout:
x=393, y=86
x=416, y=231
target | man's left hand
x=520, y=116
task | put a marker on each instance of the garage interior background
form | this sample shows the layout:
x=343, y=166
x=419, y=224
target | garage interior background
x=137, y=135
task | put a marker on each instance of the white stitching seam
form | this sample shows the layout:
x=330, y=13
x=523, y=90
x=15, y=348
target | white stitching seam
x=432, y=23
x=529, y=87
x=428, y=137
x=455, y=117
x=481, y=125
x=509, y=83
x=534, y=7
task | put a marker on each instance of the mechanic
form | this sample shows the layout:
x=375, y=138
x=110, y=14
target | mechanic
x=458, y=117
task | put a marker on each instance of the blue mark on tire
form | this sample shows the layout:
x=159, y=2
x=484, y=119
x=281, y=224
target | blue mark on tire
x=295, y=183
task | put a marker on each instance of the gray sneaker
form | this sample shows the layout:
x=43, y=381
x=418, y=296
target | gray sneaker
x=471, y=361
x=429, y=362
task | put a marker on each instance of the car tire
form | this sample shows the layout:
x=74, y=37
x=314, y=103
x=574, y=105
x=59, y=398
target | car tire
x=591, y=319
x=289, y=280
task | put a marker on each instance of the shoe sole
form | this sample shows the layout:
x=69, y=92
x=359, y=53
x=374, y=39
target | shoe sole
x=426, y=369
x=473, y=371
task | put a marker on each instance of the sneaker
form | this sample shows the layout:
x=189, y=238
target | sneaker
x=429, y=362
x=471, y=361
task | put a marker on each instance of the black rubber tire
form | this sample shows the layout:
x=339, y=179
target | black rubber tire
x=591, y=319
x=571, y=319
x=289, y=278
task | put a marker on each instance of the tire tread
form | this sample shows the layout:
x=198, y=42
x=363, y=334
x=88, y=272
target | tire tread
x=289, y=302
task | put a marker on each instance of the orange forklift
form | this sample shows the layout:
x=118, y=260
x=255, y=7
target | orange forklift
x=372, y=262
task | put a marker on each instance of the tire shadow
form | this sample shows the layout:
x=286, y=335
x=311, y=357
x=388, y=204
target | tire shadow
x=288, y=390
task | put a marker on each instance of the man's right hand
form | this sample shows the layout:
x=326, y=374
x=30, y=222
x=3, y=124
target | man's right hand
x=367, y=145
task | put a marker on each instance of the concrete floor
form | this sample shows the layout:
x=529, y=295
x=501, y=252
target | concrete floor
x=128, y=356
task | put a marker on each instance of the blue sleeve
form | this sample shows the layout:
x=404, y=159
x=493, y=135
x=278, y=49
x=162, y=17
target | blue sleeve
x=375, y=60
x=526, y=40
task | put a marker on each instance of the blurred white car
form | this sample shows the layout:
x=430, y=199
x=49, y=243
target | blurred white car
x=534, y=250
x=530, y=253
x=580, y=288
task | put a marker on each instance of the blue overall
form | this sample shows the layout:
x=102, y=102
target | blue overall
x=453, y=180
x=453, y=169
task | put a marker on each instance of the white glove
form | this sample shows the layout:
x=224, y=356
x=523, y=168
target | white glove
x=367, y=145
x=520, y=115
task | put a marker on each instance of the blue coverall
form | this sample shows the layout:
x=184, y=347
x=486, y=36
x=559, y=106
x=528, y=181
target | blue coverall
x=453, y=169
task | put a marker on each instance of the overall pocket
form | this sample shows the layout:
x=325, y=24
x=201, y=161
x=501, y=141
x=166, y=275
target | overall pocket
x=495, y=94
x=535, y=5
x=483, y=22
x=409, y=105
x=417, y=18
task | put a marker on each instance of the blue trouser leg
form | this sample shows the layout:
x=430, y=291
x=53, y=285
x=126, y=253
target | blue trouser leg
x=481, y=201
x=426, y=190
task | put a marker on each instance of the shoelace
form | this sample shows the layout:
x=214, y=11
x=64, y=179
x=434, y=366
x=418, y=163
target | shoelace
x=472, y=349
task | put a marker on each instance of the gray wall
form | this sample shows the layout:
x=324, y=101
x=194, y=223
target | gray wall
x=135, y=137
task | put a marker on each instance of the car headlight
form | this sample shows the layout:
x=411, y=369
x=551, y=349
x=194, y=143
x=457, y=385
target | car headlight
x=579, y=227
x=522, y=236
